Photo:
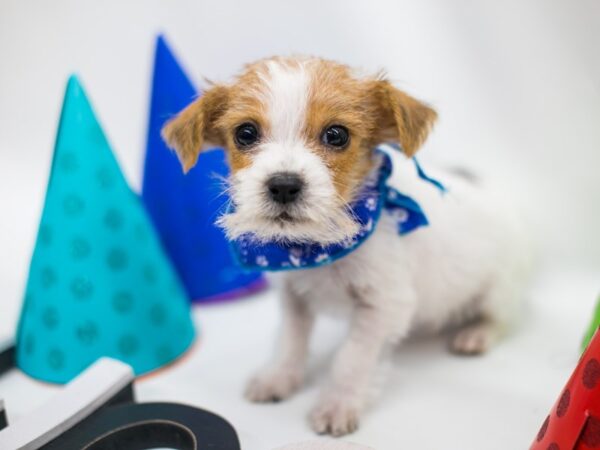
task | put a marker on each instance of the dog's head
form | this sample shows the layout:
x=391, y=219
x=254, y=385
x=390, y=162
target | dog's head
x=299, y=135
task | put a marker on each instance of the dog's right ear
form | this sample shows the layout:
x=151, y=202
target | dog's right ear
x=194, y=128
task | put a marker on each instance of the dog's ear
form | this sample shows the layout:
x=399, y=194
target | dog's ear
x=194, y=128
x=402, y=118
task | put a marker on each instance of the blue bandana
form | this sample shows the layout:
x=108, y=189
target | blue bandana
x=375, y=196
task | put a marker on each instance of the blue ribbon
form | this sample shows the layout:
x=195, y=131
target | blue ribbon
x=420, y=171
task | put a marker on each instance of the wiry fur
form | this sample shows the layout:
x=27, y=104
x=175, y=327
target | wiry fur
x=466, y=268
x=320, y=214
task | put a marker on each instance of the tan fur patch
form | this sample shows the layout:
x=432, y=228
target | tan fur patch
x=245, y=105
x=337, y=98
x=194, y=127
x=402, y=118
x=371, y=109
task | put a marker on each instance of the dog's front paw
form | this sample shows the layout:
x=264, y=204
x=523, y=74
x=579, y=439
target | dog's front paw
x=273, y=385
x=335, y=415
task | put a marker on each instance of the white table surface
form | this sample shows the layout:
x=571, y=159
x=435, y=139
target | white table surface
x=428, y=399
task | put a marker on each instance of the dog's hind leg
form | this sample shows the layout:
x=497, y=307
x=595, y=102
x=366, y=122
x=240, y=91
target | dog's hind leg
x=475, y=338
x=497, y=311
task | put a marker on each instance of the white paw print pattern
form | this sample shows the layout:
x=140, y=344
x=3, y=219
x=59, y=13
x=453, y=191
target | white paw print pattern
x=262, y=261
x=295, y=260
x=322, y=257
x=371, y=204
x=368, y=227
x=296, y=256
x=400, y=214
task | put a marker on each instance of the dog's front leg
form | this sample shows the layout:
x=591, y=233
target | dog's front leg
x=375, y=324
x=285, y=373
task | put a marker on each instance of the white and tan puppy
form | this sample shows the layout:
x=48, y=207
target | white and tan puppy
x=300, y=135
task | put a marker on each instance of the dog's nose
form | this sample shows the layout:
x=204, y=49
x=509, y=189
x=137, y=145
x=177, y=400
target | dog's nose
x=284, y=187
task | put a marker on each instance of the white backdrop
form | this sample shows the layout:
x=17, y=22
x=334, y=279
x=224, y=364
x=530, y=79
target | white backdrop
x=516, y=83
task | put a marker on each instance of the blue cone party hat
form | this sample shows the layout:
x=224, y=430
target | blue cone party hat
x=99, y=283
x=185, y=207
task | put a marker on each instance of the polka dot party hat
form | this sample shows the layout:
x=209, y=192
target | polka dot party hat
x=99, y=282
x=185, y=207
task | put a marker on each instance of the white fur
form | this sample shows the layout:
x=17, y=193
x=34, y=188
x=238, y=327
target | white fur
x=469, y=264
x=286, y=95
x=320, y=215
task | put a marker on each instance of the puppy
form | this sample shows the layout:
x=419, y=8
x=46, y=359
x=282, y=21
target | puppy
x=300, y=135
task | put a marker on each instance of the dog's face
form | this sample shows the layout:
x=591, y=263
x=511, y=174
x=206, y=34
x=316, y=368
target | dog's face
x=299, y=135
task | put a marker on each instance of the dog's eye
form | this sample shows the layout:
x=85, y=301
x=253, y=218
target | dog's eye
x=336, y=136
x=246, y=135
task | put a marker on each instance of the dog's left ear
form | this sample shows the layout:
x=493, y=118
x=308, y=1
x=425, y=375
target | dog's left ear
x=403, y=119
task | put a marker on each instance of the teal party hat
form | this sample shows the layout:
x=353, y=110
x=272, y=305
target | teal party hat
x=99, y=282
